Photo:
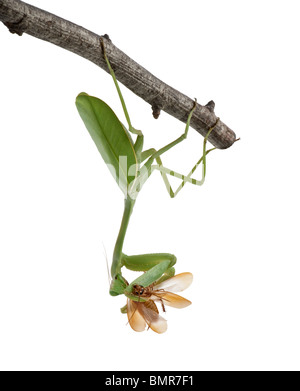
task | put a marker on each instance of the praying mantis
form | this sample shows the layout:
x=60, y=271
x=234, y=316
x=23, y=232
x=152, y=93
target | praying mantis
x=131, y=167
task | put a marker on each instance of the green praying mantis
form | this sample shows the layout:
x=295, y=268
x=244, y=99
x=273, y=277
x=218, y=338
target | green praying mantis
x=131, y=167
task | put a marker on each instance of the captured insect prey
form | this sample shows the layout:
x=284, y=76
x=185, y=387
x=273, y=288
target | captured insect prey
x=131, y=166
x=142, y=314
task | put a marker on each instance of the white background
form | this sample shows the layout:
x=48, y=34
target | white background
x=238, y=234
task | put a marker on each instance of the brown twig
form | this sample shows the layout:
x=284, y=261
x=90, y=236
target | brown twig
x=20, y=18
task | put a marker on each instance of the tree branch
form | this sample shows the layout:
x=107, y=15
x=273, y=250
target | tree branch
x=20, y=18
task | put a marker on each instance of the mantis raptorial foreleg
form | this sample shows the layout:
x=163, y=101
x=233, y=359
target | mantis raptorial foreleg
x=145, y=262
x=157, y=267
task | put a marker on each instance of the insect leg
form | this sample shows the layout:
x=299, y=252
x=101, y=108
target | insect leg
x=131, y=128
x=185, y=178
x=145, y=262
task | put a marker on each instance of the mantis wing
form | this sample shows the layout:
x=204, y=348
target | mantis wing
x=110, y=136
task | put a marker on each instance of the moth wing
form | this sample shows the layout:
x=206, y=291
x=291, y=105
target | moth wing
x=177, y=283
x=171, y=299
x=149, y=312
x=135, y=319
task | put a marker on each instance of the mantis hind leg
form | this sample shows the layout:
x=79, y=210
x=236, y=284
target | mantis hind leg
x=185, y=178
x=131, y=128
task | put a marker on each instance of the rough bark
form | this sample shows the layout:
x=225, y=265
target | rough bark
x=20, y=18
